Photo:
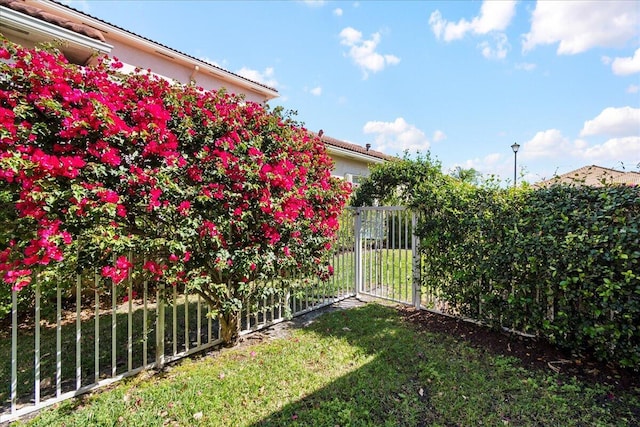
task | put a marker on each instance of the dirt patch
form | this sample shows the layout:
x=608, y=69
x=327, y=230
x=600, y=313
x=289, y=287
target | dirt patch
x=533, y=352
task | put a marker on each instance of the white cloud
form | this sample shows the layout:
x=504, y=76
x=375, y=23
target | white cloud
x=363, y=52
x=209, y=61
x=623, y=121
x=397, y=136
x=525, y=66
x=494, y=16
x=337, y=11
x=551, y=144
x=317, y=91
x=486, y=164
x=633, y=89
x=578, y=26
x=438, y=136
x=546, y=144
x=625, y=150
x=265, y=77
x=499, y=51
x=626, y=66
x=314, y=3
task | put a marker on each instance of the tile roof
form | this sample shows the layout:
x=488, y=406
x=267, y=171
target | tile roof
x=354, y=147
x=594, y=176
x=24, y=7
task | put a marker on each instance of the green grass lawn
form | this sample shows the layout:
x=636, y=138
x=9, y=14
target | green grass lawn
x=356, y=367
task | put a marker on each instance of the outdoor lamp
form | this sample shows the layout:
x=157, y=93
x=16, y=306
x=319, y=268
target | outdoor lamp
x=515, y=148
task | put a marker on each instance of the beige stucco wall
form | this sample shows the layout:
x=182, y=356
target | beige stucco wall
x=344, y=166
x=173, y=70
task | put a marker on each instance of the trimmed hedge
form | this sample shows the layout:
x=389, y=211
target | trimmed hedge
x=561, y=262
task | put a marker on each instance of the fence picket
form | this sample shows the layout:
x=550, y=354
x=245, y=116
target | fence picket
x=58, y=341
x=14, y=350
x=78, y=332
x=114, y=323
x=36, y=355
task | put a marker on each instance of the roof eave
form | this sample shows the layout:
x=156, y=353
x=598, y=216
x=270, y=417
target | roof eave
x=352, y=154
x=29, y=25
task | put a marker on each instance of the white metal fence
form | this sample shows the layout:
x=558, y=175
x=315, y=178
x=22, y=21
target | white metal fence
x=86, y=334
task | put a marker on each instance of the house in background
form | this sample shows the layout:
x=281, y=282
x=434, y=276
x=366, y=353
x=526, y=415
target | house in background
x=593, y=176
x=82, y=35
x=28, y=22
x=352, y=161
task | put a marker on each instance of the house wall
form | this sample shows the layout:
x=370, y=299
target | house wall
x=168, y=67
x=346, y=167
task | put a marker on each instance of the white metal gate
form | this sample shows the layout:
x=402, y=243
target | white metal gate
x=387, y=258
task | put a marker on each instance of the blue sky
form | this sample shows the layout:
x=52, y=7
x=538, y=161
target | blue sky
x=461, y=79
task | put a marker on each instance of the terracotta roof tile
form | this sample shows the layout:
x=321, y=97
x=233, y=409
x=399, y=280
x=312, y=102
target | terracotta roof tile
x=36, y=12
x=594, y=176
x=354, y=147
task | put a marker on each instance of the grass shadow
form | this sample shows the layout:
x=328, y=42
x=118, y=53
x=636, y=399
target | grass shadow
x=416, y=378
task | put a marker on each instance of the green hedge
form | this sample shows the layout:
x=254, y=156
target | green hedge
x=561, y=262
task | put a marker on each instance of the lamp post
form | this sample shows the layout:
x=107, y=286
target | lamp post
x=515, y=148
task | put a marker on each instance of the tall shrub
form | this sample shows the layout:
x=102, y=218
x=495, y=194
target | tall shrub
x=211, y=190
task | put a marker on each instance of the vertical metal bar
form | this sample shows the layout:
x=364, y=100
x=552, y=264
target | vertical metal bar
x=406, y=257
x=246, y=305
x=160, y=306
x=130, y=319
x=357, y=251
x=306, y=294
x=14, y=349
x=78, y=332
x=145, y=321
x=175, y=321
x=58, y=341
x=96, y=332
x=381, y=253
x=36, y=360
x=199, y=322
x=415, y=253
x=385, y=237
x=186, y=319
x=293, y=304
x=113, y=329
x=394, y=248
x=209, y=325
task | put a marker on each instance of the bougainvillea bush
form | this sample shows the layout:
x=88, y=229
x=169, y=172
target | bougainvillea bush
x=205, y=188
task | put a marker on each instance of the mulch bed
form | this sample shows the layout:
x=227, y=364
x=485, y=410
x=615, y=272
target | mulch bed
x=533, y=352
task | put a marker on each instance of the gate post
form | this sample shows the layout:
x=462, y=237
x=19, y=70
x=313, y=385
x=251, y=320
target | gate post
x=357, y=246
x=416, y=264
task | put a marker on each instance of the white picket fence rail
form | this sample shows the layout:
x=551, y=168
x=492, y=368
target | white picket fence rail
x=96, y=334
